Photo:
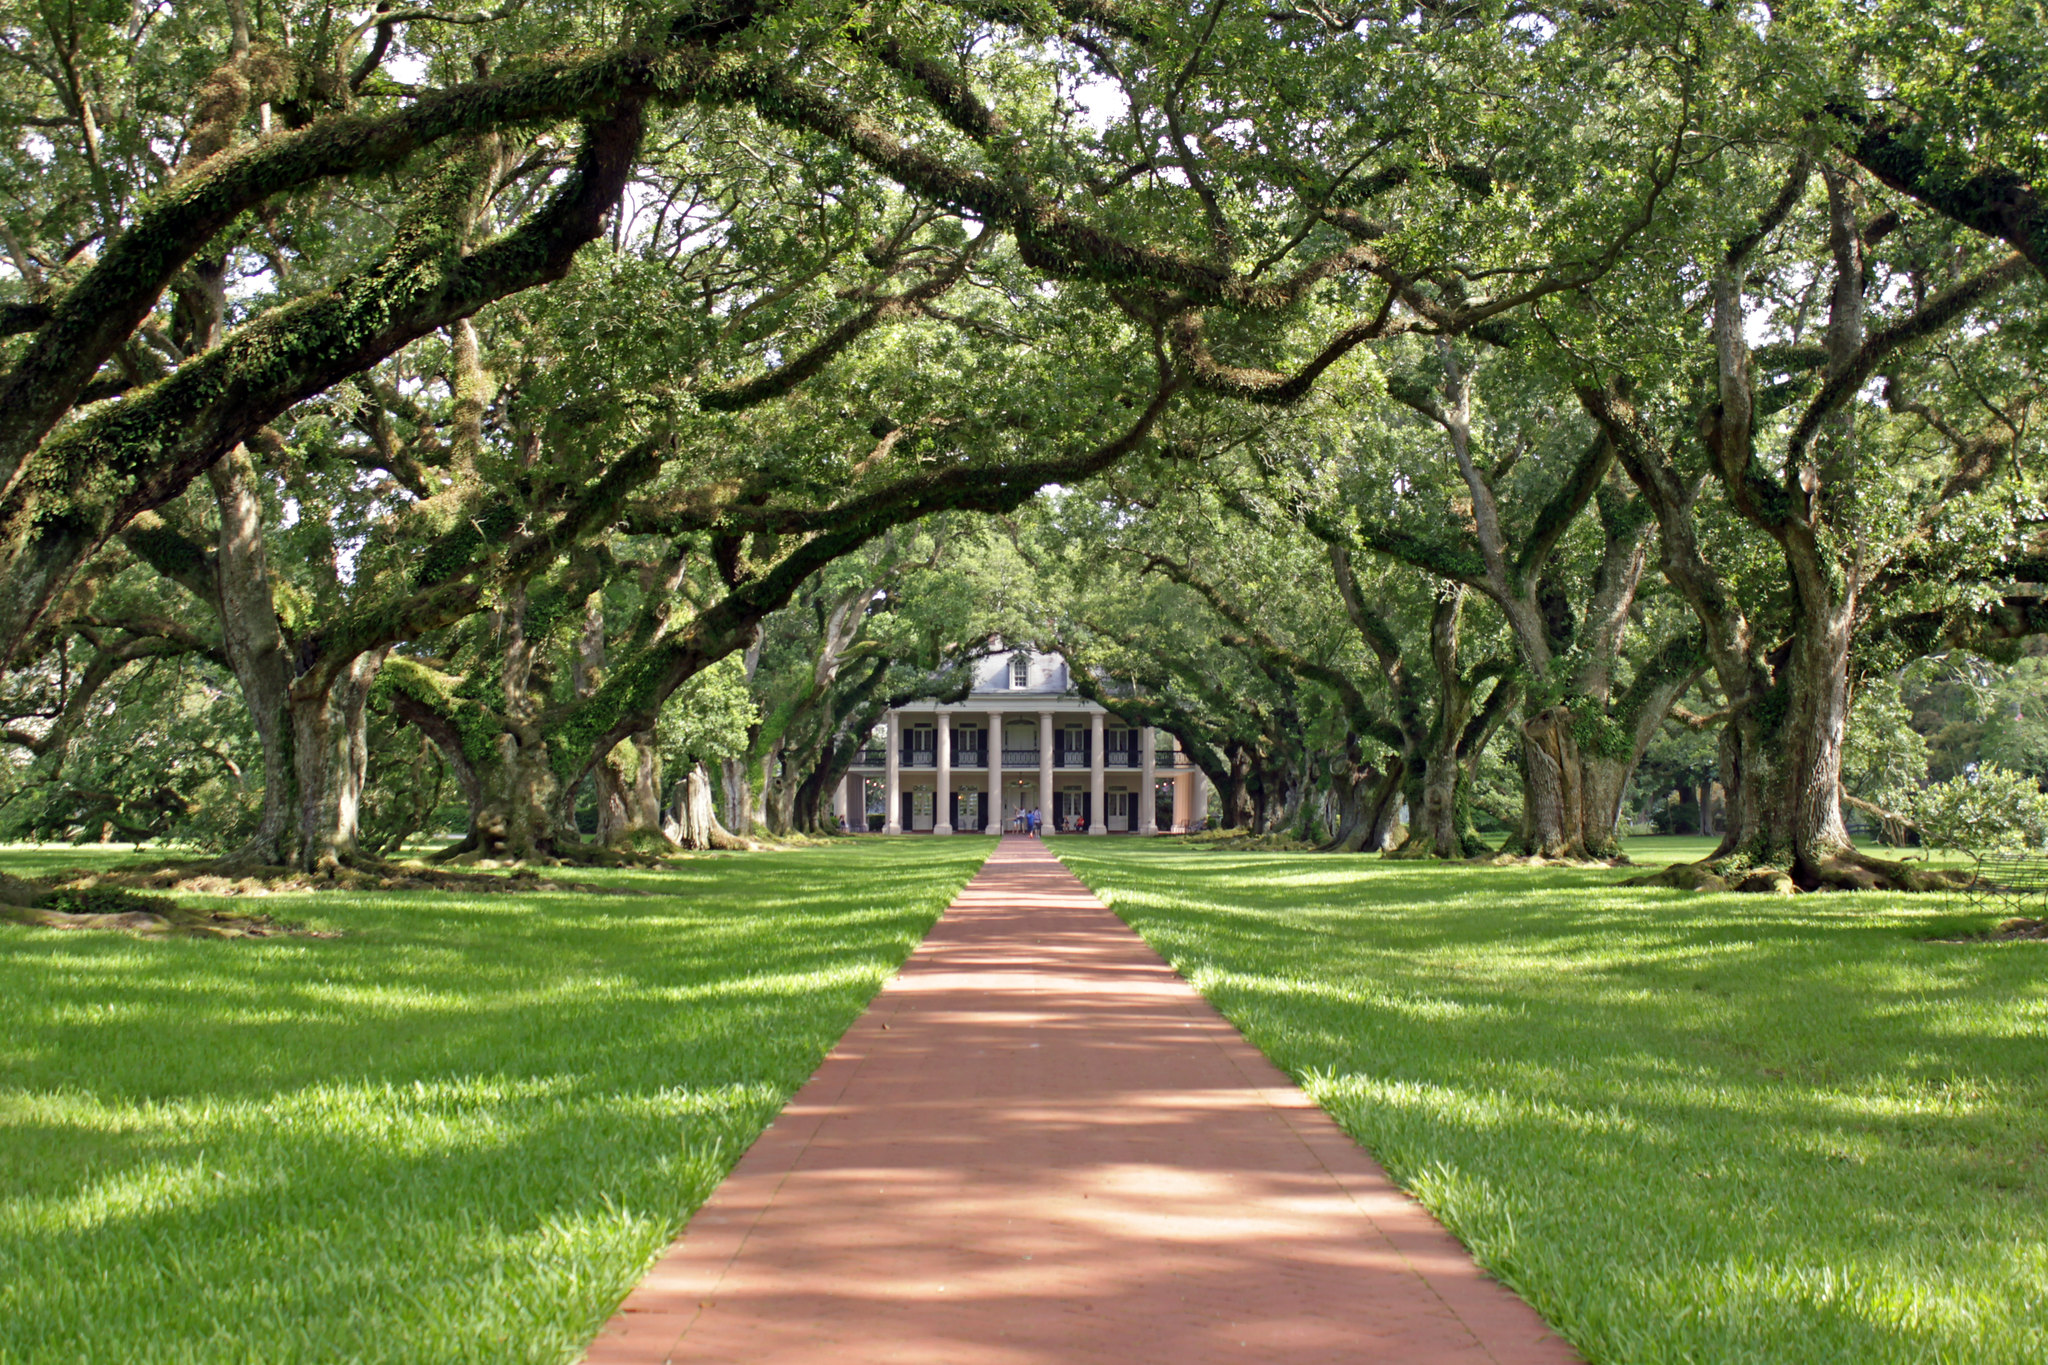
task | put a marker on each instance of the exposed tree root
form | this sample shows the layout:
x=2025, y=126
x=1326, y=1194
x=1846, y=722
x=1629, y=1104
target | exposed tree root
x=70, y=905
x=208, y=879
x=1243, y=841
x=1700, y=876
x=1848, y=870
x=1503, y=858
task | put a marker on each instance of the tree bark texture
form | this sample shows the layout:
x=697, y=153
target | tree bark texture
x=330, y=749
x=695, y=824
x=256, y=651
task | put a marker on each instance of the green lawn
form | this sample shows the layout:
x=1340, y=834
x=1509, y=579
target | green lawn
x=1685, y=1127
x=459, y=1132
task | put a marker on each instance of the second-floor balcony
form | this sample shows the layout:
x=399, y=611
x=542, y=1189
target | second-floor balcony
x=927, y=758
x=877, y=756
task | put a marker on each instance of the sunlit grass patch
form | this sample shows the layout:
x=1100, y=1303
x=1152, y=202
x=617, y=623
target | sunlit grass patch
x=1685, y=1127
x=460, y=1131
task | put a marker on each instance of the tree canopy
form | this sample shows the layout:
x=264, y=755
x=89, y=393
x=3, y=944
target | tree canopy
x=521, y=410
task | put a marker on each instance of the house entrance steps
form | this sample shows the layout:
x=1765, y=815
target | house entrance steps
x=1041, y=1147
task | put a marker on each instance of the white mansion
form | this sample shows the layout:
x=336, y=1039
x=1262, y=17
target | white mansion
x=1024, y=739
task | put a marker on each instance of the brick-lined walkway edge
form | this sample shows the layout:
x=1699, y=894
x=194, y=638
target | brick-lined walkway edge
x=1040, y=1145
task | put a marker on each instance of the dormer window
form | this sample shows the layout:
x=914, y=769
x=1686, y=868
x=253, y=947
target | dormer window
x=1020, y=670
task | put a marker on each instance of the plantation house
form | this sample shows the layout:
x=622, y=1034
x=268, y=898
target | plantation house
x=1023, y=739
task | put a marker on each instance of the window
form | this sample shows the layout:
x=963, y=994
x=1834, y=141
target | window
x=1020, y=670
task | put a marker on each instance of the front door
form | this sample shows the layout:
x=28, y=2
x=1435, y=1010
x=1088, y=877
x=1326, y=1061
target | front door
x=922, y=803
x=1117, y=818
x=1072, y=810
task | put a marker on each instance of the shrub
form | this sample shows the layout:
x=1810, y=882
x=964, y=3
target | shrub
x=1988, y=807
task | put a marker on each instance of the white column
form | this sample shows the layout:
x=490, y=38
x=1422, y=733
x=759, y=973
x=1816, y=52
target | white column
x=995, y=770
x=892, y=760
x=1183, y=799
x=942, y=815
x=1200, y=815
x=1096, y=824
x=1045, y=769
x=1148, y=822
x=839, y=801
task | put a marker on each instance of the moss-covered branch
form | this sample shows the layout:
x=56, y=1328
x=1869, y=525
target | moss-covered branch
x=104, y=308
x=94, y=476
x=1994, y=200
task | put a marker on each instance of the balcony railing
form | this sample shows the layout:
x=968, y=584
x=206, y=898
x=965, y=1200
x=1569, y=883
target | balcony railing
x=878, y=757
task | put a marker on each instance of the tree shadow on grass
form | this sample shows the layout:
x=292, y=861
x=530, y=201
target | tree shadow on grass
x=457, y=1132
x=1686, y=1127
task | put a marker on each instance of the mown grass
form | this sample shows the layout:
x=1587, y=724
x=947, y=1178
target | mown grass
x=1685, y=1127
x=458, y=1132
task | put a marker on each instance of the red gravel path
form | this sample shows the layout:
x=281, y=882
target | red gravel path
x=1040, y=1145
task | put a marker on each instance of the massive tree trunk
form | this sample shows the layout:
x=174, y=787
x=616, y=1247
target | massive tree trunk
x=1579, y=752
x=509, y=791
x=1576, y=776
x=1236, y=800
x=506, y=777
x=1368, y=802
x=1439, y=816
x=1785, y=799
x=330, y=750
x=736, y=795
x=1578, y=744
x=1439, y=820
x=695, y=823
x=643, y=798
x=256, y=651
x=1553, y=786
x=625, y=782
x=610, y=780
x=1781, y=752
x=611, y=775
x=1435, y=828
x=311, y=722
